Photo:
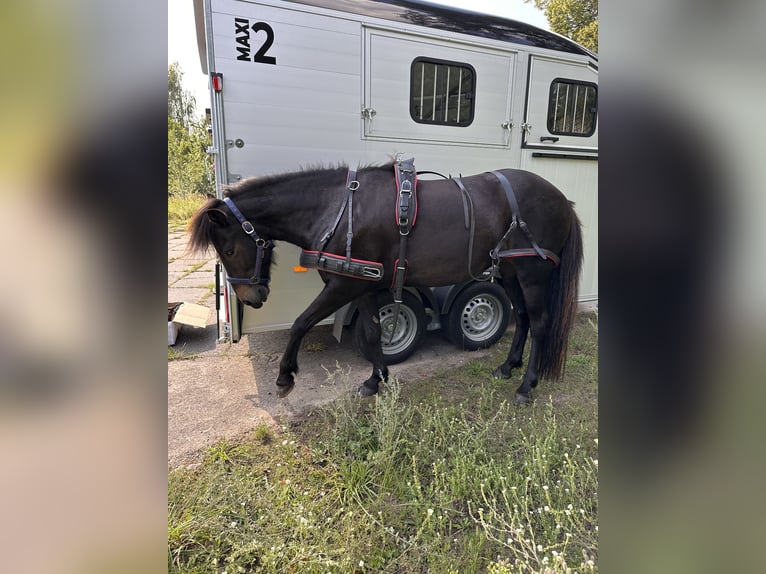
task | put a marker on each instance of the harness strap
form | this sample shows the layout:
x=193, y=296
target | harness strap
x=406, y=197
x=359, y=268
x=406, y=214
x=351, y=185
x=470, y=225
x=516, y=216
x=527, y=252
x=466, y=199
x=348, y=200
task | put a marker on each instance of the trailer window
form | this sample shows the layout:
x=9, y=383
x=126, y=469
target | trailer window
x=572, y=108
x=442, y=92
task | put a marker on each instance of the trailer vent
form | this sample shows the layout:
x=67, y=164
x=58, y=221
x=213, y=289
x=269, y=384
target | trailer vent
x=442, y=92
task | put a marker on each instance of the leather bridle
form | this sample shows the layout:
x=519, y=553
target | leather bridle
x=261, y=244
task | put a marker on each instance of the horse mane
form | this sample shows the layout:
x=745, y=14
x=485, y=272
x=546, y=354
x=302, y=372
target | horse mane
x=317, y=173
x=200, y=228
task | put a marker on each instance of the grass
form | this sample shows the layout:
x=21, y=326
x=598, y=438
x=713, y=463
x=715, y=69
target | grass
x=441, y=475
x=181, y=208
x=177, y=354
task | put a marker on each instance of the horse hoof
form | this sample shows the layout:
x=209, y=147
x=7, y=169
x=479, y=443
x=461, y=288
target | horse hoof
x=520, y=399
x=365, y=391
x=285, y=384
x=284, y=390
x=500, y=374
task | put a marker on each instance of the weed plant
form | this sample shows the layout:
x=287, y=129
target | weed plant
x=182, y=206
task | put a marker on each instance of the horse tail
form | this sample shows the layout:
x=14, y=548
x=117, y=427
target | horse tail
x=561, y=302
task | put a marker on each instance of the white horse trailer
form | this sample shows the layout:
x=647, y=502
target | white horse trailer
x=297, y=83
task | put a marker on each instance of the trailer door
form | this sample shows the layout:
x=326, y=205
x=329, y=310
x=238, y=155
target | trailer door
x=560, y=142
x=561, y=105
x=422, y=89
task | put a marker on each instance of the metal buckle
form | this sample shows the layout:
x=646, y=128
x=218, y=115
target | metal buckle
x=407, y=189
x=248, y=227
x=353, y=185
x=372, y=272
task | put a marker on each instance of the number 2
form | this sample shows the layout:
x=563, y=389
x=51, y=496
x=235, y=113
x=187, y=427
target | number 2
x=260, y=56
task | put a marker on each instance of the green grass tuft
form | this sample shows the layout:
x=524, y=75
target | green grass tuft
x=440, y=475
x=181, y=208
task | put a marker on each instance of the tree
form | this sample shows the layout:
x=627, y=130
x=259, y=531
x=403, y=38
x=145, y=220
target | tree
x=188, y=140
x=181, y=103
x=575, y=19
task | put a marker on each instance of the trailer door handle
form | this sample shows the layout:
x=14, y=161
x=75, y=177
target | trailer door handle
x=549, y=139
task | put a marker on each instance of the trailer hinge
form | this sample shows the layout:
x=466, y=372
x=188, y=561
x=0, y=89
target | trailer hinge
x=212, y=150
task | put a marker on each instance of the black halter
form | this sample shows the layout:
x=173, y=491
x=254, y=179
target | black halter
x=262, y=245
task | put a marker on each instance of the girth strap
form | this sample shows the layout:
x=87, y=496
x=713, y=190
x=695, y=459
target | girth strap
x=406, y=213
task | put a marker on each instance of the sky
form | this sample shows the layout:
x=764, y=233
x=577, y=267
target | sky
x=182, y=39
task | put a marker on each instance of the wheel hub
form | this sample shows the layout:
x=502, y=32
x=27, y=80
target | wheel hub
x=478, y=315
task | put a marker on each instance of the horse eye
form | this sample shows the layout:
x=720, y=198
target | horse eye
x=229, y=252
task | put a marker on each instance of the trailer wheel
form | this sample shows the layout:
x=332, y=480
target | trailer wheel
x=479, y=316
x=410, y=328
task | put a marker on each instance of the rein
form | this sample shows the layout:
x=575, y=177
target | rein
x=261, y=244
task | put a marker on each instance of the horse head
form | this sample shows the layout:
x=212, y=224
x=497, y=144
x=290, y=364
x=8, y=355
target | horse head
x=246, y=257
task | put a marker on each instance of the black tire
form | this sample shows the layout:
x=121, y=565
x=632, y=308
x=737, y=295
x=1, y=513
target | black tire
x=479, y=316
x=410, y=328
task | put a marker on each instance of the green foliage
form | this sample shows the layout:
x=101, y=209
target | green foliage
x=189, y=166
x=182, y=206
x=575, y=19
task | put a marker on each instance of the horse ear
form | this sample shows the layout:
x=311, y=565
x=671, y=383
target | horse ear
x=218, y=217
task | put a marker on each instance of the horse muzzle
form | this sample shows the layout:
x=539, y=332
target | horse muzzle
x=254, y=296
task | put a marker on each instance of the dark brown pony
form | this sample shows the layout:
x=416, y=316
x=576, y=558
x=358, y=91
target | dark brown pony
x=300, y=207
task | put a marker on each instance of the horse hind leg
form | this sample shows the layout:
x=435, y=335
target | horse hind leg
x=521, y=318
x=534, y=296
x=368, y=314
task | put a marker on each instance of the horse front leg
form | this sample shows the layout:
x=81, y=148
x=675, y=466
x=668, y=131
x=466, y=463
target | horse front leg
x=368, y=314
x=332, y=297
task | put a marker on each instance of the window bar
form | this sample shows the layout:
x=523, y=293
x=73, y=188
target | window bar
x=459, y=93
x=556, y=108
x=584, y=107
x=433, y=108
x=446, y=96
x=422, y=85
x=574, y=109
x=566, y=107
